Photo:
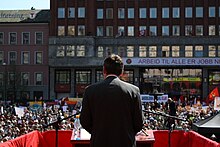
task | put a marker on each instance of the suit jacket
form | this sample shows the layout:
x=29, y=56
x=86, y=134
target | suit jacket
x=112, y=113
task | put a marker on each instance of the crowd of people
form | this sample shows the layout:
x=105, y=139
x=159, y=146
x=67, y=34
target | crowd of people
x=155, y=116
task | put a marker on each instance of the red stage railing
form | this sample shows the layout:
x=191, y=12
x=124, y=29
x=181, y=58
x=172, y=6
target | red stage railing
x=47, y=139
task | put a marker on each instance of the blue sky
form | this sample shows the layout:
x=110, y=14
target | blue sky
x=24, y=4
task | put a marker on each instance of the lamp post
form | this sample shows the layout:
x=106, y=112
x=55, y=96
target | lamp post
x=5, y=82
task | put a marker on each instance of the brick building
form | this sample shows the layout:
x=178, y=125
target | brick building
x=168, y=46
x=24, y=54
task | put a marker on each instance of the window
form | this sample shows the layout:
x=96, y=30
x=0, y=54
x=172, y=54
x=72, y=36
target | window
x=198, y=51
x=99, y=31
x=214, y=81
x=165, y=13
x=218, y=11
x=62, y=77
x=165, y=31
x=1, y=38
x=61, y=30
x=109, y=50
x=39, y=38
x=176, y=12
x=176, y=30
x=83, y=77
x=188, y=12
x=142, y=13
x=11, y=78
x=175, y=51
x=1, y=79
x=71, y=12
x=99, y=75
x=25, y=58
x=100, y=52
x=188, y=51
x=128, y=76
x=12, y=58
x=1, y=57
x=99, y=13
x=25, y=38
x=38, y=78
x=130, y=51
x=212, y=51
x=165, y=51
x=199, y=30
x=218, y=51
x=38, y=57
x=153, y=31
x=109, y=13
x=121, y=13
x=81, y=12
x=109, y=30
x=12, y=38
x=188, y=30
x=142, y=51
x=24, y=78
x=199, y=12
x=130, y=13
x=60, y=51
x=121, y=51
x=211, y=30
x=153, y=12
x=70, y=51
x=130, y=30
x=80, y=51
x=211, y=11
x=219, y=30
x=81, y=30
x=142, y=30
x=121, y=31
x=71, y=30
x=152, y=51
x=61, y=12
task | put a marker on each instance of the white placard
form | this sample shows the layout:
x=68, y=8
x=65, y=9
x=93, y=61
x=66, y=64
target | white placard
x=84, y=135
x=162, y=98
x=147, y=98
x=217, y=103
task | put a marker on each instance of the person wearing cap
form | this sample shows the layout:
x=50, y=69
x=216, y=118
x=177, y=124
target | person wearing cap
x=111, y=109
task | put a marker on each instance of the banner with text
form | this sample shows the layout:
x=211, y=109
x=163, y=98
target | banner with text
x=172, y=61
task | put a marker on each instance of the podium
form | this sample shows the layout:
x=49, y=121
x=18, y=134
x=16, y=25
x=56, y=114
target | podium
x=141, y=140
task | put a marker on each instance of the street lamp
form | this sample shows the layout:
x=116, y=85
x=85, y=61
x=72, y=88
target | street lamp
x=5, y=82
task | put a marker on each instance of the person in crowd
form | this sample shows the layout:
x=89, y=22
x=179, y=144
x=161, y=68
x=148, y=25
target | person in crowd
x=111, y=109
x=171, y=107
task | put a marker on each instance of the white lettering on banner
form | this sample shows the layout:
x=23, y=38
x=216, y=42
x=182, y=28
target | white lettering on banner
x=172, y=61
x=8, y=15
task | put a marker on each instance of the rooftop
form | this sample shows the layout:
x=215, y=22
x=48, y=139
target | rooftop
x=25, y=16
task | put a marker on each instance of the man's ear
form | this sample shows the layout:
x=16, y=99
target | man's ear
x=121, y=73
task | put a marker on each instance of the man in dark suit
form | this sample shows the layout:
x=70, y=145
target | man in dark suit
x=111, y=109
x=171, y=107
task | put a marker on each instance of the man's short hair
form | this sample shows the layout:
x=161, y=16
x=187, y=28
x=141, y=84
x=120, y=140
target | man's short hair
x=113, y=64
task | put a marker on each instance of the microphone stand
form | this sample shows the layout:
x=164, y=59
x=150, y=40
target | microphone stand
x=169, y=117
x=56, y=123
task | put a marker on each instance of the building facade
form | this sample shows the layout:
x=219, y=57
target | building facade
x=168, y=46
x=24, y=55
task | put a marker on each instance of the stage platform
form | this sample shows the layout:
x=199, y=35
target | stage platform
x=48, y=139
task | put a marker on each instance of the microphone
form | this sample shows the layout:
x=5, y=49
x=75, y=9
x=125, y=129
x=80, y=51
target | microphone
x=165, y=115
x=143, y=131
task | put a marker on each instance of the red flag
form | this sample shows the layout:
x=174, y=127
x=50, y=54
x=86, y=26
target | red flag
x=213, y=94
